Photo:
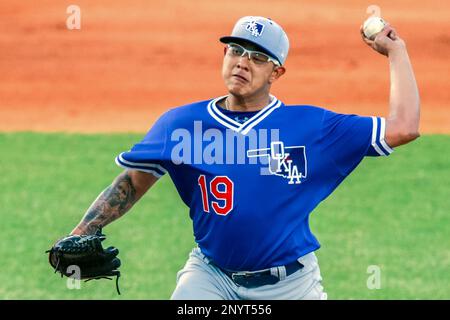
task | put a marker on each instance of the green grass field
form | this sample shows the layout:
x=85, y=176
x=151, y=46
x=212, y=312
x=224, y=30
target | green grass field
x=393, y=213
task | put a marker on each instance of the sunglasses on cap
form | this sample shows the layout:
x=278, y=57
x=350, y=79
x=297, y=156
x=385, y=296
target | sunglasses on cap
x=257, y=57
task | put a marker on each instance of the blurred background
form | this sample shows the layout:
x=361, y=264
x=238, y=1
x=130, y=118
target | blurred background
x=131, y=61
x=71, y=100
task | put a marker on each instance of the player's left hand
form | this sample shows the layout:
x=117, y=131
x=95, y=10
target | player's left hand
x=85, y=252
x=385, y=42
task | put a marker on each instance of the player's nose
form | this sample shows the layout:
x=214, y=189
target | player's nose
x=243, y=62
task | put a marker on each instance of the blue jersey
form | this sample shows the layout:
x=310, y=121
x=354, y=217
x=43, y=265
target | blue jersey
x=252, y=179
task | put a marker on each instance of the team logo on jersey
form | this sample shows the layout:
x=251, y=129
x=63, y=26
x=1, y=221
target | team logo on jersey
x=255, y=28
x=241, y=119
x=287, y=162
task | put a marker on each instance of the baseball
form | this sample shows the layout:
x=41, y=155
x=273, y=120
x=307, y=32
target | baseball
x=373, y=26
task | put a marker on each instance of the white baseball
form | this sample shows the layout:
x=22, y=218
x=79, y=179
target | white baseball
x=373, y=26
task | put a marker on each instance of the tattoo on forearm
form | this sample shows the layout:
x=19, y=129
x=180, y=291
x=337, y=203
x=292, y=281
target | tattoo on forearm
x=112, y=203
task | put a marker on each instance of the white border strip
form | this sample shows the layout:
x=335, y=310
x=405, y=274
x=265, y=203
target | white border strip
x=374, y=136
x=157, y=175
x=245, y=127
x=226, y=124
x=147, y=165
x=261, y=113
x=382, y=135
x=254, y=123
x=219, y=113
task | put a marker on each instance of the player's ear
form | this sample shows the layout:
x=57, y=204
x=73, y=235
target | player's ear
x=224, y=50
x=277, y=72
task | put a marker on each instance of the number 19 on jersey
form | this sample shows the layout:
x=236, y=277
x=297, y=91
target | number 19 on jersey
x=217, y=194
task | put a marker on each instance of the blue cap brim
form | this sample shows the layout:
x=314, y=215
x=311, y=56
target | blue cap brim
x=239, y=40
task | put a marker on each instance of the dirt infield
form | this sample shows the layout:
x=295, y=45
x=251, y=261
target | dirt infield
x=132, y=60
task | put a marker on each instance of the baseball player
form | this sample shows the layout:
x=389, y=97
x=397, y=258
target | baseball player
x=252, y=169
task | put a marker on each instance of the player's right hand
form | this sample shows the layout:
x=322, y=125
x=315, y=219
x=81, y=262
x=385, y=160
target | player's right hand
x=385, y=42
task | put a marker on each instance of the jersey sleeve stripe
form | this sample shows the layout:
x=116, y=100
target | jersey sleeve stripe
x=150, y=166
x=383, y=143
x=153, y=172
x=374, y=136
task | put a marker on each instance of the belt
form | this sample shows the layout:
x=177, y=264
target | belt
x=253, y=279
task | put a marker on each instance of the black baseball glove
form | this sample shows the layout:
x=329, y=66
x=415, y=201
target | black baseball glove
x=85, y=252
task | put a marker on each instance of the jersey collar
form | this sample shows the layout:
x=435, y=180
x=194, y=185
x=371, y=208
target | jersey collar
x=245, y=127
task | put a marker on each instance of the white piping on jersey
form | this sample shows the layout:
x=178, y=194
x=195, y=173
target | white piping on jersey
x=123, y=163
x=261, y=114
x=120, y=164
x=245, y=127
x=149, y=165
x=374, y=136
x=380, y=138
x=261, y=118
x=382, y=135
x=220, y=117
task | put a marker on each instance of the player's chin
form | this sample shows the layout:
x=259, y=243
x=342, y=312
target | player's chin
x=238, y=93
x=238, y=89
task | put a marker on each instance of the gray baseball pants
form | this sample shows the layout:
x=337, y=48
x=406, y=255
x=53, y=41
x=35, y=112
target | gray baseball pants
x=201, y=280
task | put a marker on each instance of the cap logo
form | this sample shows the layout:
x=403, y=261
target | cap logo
x=255, y=28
